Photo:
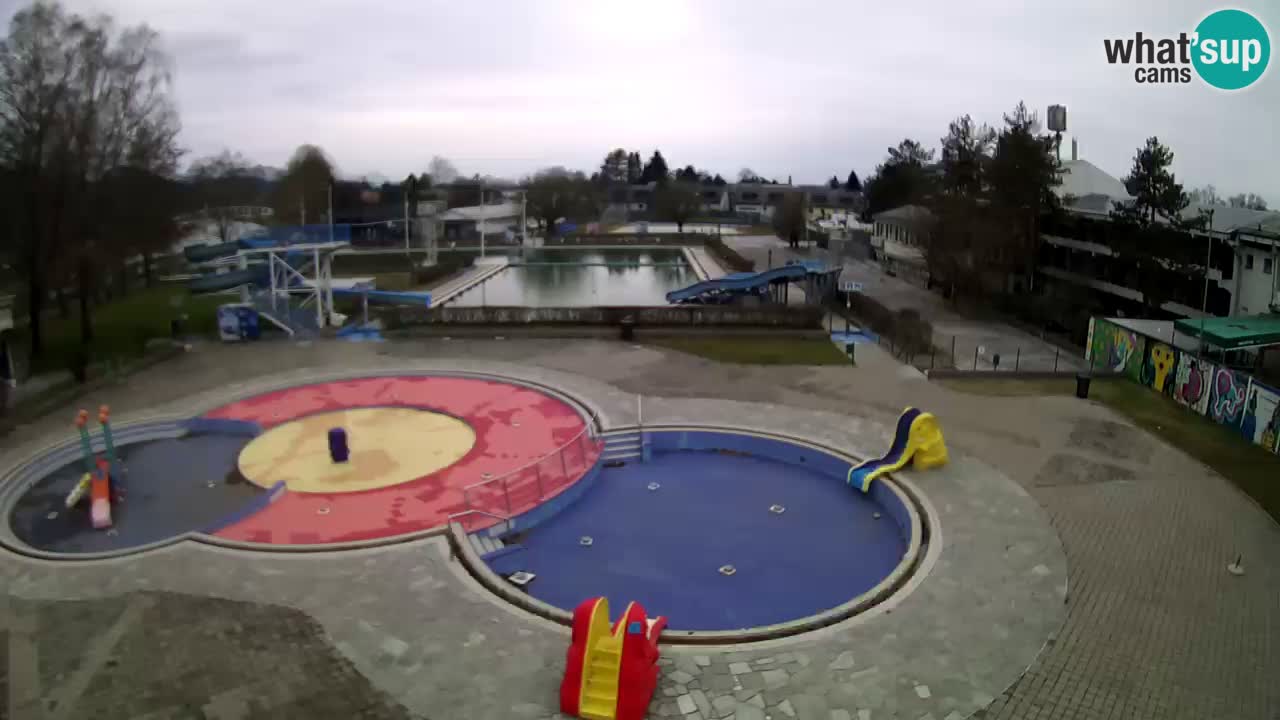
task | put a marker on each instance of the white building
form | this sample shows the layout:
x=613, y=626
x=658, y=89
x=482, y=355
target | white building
x=898, y=237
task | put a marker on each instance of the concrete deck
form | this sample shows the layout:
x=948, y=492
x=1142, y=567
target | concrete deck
x=1132, y=615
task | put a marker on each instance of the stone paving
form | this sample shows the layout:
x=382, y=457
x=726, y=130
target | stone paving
x=1154, y=626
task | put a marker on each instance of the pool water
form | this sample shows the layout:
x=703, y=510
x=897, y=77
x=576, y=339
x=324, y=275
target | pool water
x=575, y=278
x=664, y=547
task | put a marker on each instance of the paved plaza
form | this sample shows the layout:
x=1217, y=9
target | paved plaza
x=1078, y=571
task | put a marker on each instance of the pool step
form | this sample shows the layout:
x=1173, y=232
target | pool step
x=485, y=545
x=621, y=447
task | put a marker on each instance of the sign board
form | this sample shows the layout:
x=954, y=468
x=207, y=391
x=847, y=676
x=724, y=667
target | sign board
x=850, y=286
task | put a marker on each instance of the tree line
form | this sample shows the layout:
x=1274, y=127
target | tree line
x=88, y=144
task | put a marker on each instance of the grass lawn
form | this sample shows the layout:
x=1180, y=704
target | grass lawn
x=122, y=327
x=1251, y=468
x=757, y=350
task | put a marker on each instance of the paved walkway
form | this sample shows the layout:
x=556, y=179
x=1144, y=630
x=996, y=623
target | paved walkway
x=1154, y=626
x=976, y=343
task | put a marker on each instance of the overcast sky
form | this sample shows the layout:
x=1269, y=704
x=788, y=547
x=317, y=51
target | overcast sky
x=796, y=88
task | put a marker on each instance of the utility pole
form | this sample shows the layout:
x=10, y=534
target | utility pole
x=330, y=209
x=406, y=222
x=482, y=219
x=1204, y=301
x=524, y=222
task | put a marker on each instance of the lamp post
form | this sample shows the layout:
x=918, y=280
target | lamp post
x=1204, y=299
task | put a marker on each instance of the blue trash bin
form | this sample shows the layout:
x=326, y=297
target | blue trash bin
x=237, y=323
x=250, y=327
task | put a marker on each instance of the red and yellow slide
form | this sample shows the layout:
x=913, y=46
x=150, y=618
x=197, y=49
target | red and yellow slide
x=611, y=672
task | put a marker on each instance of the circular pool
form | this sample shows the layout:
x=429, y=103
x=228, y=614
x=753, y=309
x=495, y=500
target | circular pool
x=721, y=531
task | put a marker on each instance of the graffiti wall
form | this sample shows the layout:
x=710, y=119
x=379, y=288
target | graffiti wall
x=1226, y=396
x=1261, y=421
x=1117, y=349
x=1159, y=369
x=1192, y=381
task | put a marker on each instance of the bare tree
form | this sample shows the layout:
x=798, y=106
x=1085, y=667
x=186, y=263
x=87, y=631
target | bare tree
x=614, y=167
x=302, y=195
x=789, y=218
x=1251, y=201
x=222, y=182
x=442, y=171
x=678, y=202
x=78, y=102
x=1207, y=195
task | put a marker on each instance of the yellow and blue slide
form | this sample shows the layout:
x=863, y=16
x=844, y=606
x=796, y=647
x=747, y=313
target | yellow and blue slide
x=917, y=440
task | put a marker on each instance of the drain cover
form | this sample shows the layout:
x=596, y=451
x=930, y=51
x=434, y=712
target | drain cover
x=875, y=515
x=521, y=578
x=322, y=511
x=777, y=509
x=585, y=541
x=727, y=570
x=653, y=486
x=53, y=515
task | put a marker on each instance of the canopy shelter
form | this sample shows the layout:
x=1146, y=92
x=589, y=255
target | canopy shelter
x=1240, y=332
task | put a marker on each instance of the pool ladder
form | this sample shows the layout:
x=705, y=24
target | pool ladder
x=622, y=447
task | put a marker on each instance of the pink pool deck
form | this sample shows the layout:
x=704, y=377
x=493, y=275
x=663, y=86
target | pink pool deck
x=528, y=445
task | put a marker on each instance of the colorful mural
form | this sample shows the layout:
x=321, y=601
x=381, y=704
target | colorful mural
x=1191, y=387
x=1261, y=416
x=1158, y=372
x=1226, y=396
x=1116, y=349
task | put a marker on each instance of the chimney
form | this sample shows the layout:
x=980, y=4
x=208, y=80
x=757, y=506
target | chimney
x=1075, y=149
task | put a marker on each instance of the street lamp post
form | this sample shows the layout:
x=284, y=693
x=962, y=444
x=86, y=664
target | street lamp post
x=1204, y=299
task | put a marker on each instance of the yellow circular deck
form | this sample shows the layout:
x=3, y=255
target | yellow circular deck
x=388, y=446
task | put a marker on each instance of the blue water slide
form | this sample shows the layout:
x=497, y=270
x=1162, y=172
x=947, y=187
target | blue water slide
x=739, y=283
x=256, y=275
x=386, y=297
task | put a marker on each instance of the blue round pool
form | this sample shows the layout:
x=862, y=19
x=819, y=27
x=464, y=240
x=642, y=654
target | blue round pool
x=798, y=540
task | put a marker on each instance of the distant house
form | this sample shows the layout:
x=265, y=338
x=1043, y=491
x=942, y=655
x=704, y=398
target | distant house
x=465, y=223
x=754, y=200
x=898, y=238
x=1242, y=247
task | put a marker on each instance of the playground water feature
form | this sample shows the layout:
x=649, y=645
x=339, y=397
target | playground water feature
x=722, y=531
x=582, y=278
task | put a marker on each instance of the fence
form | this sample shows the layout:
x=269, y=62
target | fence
x=522, y=489
x=914, y=340
x=1226, y=396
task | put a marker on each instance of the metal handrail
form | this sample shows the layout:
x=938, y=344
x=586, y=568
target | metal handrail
x=529, y=464
x=586, y=432
x=470, y=511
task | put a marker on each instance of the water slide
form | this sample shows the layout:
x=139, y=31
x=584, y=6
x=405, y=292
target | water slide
x=385, y=297
x=738, y=283
x=918, y=439
x=229, y=280
x=610, y=672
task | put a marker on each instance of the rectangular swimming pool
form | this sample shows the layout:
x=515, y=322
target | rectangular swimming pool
x=582, y=278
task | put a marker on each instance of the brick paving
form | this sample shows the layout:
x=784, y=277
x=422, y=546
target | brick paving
x=1154, y=626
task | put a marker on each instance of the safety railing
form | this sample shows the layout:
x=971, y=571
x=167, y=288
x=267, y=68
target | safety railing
x=522, y=489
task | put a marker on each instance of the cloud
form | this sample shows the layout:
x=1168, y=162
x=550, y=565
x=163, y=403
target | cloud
x=802, y=88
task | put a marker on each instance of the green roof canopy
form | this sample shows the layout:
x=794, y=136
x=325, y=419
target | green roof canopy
x=1231, y=333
